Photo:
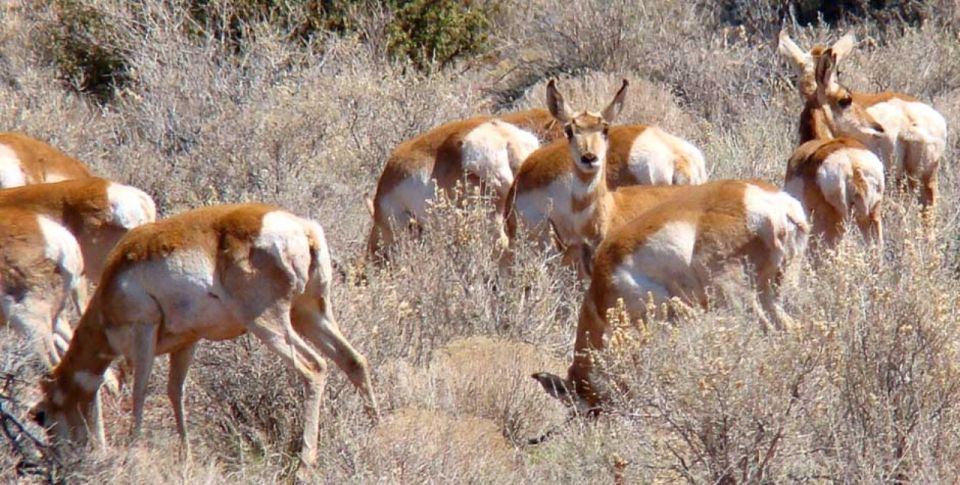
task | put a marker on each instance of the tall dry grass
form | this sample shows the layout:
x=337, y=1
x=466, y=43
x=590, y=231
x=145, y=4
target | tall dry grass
x=864, y=390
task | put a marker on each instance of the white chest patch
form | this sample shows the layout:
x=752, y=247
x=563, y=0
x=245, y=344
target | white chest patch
x=87, y=380
x=409, y=198
x=11, y=172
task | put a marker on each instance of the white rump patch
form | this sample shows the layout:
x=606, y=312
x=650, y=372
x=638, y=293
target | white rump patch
x=652, y=160
x=495, y=150
x=779, y=220
x=130, y=206
x=282, y=235
x=324, y=266
x=11, y=172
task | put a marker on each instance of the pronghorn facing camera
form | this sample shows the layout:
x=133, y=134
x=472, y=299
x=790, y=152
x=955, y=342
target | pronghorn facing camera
x=568, y=184
x=485, y=150
x=675, y=249
x=909, y=136
x=97, y=211
x=26, y=161
x=40, y=271
x=213, y=273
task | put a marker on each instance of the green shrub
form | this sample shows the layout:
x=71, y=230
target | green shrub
x=84, y=43
x=439, y=31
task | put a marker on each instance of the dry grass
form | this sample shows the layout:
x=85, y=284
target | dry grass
x=865, y=390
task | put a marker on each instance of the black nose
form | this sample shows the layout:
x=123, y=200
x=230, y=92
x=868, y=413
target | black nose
x=40, y=417
x=588, y=158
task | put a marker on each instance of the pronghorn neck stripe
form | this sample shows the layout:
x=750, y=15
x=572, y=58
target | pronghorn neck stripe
x=88, y=356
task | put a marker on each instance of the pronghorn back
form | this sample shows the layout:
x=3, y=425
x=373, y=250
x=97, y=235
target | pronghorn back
x=97, y=211
x=25, y=161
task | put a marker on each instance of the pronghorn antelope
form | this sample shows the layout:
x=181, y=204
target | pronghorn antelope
x=568, y=184
x=550, y=188
x=909, y=136
x=836, y=178
x=98, y=212
x=25, y=161
x=40, y=271
x=213, y=273
x=675, y=249
x=483, y=150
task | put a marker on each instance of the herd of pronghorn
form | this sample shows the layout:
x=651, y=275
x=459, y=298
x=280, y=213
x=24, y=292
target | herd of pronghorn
x=629, y=206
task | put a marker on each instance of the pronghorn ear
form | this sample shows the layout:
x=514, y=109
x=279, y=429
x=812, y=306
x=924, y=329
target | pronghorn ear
x=843, y=46
x=790, y=49
x=613, y=109
x=554, y=385
x=555, y=103
x=826, y=71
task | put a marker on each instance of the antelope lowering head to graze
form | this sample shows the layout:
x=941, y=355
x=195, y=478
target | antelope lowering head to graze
x=485, y=150
x=677, y=249
x=567, y=184
x=909, y=136
x=213, y=273
x=97, y=211
x=26, y=161
x=40, y=271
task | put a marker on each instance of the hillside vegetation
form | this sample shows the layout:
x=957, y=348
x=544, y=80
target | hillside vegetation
x=299, y=102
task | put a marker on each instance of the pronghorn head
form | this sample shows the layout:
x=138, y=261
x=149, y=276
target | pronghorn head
x=845, y=115
x=53, y=413
x=564, y=390
x=805, y=62
x=586, y=131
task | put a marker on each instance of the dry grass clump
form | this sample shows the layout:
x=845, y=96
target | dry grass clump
x=862, y=391
x=491, y=378
x=416, y=445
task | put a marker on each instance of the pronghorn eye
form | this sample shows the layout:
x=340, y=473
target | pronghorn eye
x=844, y=102
x=606, y=130
x=568, y=130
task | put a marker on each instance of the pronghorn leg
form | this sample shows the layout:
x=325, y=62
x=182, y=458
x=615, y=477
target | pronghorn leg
x=31, y=318
x=144, y=349
x=283, y=340
x=96, y=422
x=177, y=378
x=320, y=328
x=928, y=198
x=78, y=295
x=769, y=296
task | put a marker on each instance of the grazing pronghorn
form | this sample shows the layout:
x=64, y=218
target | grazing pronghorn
x=213, y=273
x=98, y=212
x=909, y=136
x=40, y=271
x=557, y=185
x=483, y=150
x=25, y=161
x=569, y=184
x=675, y=249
